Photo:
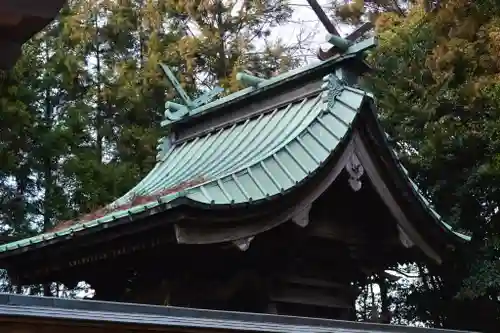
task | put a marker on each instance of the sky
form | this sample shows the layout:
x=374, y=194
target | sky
x=304, y=22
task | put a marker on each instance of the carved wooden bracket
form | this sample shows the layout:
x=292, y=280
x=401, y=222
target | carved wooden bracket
x=244, y=243
x=356, y=171
x=302, y=217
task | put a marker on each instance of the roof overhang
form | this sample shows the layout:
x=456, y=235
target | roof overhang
x=19, y=21
x=217, y=227
x=398, y=178
x=29, y=314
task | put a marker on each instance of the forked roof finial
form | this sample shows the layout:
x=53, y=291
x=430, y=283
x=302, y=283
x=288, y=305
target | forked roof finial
x=339, y=44
x=176, y=111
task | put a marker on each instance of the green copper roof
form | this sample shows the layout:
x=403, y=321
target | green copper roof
x=254, y=160
x=353, y=51
x=260, y=157
x=246, y=162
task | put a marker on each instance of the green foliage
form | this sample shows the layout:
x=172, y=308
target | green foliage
x=81, y=111
x=80, y=116
x=436, y=82
x=219, y=38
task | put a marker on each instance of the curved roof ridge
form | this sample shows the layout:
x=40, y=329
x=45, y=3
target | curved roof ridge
x=221, y=154
x=279, y=169
x=298, y=156
x=428, y=204
x=352, y=51
x=288, y=129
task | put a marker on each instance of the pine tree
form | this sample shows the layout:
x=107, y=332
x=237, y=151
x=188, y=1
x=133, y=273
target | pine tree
x=18, y=188
x=358, y=11
x=220, y=38
x=436, y=82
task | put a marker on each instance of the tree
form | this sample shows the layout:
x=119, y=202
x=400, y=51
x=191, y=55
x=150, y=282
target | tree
x=220, y=38
x=436, y=82
x=356, y=11
x=81, y=113
x=17, y=186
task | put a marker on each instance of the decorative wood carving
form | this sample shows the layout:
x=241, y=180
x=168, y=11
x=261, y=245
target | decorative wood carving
x=333, y=87
x=356, y=171
x=302, y=217
x=244, y=243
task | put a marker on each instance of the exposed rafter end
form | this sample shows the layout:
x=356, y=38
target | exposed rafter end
x=244, y=243
x=302, y=218
x=249, y=80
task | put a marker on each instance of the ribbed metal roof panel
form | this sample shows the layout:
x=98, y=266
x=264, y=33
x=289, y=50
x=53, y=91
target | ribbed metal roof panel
x=245, y=162
x=257, y=158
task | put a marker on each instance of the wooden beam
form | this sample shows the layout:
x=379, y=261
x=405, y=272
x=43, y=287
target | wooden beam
x=341, y=290
x=312, y=282
x=335, y=231
x=352, y=234
x=309, y=297
x=322, y=17
x=365, y=156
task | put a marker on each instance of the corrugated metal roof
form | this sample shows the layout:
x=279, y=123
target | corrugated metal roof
x=247, y=162
x=110, y=312
x=244, y=163
x=260, y=157
x=353, y=51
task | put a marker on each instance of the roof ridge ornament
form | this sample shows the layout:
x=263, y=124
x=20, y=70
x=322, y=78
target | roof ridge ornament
x=340, y=44
x=175, y=111
x=332, y=87
x=248, y=80
x=355, y=170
